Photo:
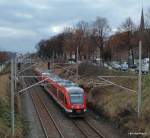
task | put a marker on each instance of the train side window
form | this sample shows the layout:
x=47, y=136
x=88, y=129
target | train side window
x=53, y=90
x=61, y=96
x=65, y=100
x=49, y=85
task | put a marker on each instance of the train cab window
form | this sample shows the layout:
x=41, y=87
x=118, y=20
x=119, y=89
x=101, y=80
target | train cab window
x=53, y=90
x=76, y=98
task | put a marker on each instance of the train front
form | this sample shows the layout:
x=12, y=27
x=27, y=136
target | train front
x=77, y=100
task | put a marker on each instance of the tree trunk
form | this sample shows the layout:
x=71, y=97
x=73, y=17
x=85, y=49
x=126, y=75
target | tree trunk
x=149, y=56
x=99, y=57
x=131, y=57
x=102, y=57
x=93, y=58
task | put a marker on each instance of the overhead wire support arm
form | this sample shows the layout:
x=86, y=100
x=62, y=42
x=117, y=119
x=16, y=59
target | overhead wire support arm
x=117, y=85
x=133, y=77
x=65, y=68
x=23, y=90
x=29, y=76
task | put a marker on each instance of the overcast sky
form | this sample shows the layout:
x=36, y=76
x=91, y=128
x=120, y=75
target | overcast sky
x=23, y=23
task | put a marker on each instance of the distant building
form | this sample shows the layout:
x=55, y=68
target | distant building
x=121, y=52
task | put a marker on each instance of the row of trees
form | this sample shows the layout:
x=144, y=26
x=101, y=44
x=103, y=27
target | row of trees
x=93, y=40
x=87, y=37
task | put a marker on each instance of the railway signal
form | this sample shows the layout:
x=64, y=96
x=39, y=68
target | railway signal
x=19, y=66
x=48, y=65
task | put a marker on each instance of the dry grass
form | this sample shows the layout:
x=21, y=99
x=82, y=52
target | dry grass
x=4, y=87
x=5, y=128
x=112, y=101
x=4, y=106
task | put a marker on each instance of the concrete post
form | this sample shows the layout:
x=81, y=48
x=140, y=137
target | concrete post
x=139, y=79
x=12, y=99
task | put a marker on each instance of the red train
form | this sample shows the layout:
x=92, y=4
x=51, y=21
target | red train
x=67, y=94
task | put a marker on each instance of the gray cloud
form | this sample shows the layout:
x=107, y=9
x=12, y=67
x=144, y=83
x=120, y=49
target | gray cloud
x=24, y=22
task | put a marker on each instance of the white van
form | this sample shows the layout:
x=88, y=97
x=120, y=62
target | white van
x=144, y=69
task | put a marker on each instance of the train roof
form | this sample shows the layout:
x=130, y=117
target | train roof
x=69, y=85
x=75, y=90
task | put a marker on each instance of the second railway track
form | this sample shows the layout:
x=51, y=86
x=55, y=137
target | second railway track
x=48, y=124
x=87, y=129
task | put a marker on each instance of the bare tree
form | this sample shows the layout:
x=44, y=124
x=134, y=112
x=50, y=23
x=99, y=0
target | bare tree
x=82, y=25
x=101, y=30
x=147, y=23
x=68, y=43
x=128, y=27
x=81, y=38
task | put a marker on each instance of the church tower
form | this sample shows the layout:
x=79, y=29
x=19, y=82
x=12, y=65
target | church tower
x=142, y=26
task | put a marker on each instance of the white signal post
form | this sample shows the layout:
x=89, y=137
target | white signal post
x=139, y=80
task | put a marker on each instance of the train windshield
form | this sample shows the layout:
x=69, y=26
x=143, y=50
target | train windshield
x=76, y=98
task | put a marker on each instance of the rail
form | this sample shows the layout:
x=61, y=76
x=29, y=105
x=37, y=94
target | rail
x=46, y=120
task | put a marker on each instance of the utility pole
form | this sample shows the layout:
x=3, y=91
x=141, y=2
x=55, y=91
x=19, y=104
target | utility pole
x=139, y=79
x=77, y=70
x=12, y=99
x=14, y=74
x=15, y=71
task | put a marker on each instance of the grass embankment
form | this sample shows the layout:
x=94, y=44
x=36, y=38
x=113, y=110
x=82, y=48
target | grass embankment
x=118, y=105
x=5, y=114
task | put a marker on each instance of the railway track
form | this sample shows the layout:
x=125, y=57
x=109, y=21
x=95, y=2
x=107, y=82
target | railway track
x=48, y=124
x=87, y=129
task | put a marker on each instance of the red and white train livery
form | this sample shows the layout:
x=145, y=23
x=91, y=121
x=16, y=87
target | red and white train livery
x=67, y=94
